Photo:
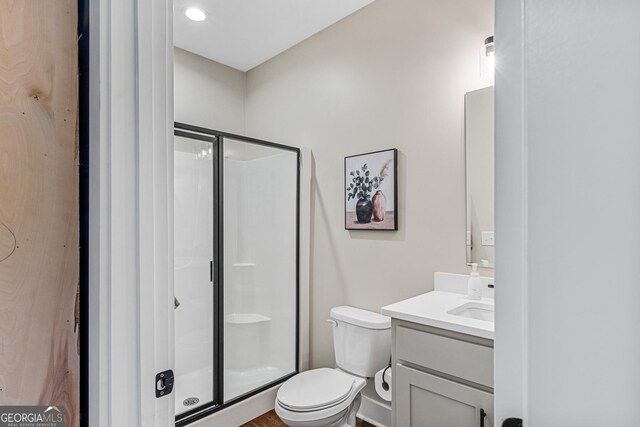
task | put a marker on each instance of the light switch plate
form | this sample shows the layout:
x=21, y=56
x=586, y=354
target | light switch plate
x=488, y=238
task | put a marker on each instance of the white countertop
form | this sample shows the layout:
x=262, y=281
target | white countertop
x=431, y=309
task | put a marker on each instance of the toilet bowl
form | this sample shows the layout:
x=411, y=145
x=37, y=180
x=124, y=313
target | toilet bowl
x=320, y=397
x=327, y=397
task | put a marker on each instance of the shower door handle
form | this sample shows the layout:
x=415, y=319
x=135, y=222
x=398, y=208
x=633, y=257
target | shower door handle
x=211, y=272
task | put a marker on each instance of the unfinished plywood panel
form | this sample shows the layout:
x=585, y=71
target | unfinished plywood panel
x=39, y=363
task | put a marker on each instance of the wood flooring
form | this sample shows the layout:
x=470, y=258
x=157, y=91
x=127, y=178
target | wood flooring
x=270, y=419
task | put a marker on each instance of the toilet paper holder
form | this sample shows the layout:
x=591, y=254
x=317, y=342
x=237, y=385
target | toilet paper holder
x=385, y=384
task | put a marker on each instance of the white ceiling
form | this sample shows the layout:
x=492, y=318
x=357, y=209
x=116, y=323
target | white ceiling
x=245, y=33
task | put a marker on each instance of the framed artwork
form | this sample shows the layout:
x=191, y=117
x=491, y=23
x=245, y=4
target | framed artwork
x=371, y=191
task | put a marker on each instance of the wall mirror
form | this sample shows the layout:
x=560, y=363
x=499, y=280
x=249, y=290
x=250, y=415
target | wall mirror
x=479, y=159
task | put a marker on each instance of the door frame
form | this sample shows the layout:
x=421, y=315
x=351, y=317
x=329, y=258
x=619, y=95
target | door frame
x=130, y=206
x=127, y=125
x=511, y=219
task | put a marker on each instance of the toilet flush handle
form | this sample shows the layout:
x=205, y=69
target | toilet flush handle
x=333, y=322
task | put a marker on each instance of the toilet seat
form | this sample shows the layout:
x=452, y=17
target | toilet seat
x=316, y=389
x=318, y=393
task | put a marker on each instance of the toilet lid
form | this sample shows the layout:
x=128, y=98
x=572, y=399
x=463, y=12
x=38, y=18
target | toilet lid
x=316, y=389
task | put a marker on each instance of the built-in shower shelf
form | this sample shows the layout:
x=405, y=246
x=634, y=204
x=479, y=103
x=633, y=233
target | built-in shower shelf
x=243, y=264
x=245, y=318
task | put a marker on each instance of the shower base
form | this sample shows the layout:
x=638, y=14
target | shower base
x=238, y=382
x=199, y=385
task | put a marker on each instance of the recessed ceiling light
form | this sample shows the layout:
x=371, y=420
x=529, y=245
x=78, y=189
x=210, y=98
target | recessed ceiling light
x=195, y=14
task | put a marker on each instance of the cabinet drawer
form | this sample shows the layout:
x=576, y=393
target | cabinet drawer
x=471, y=362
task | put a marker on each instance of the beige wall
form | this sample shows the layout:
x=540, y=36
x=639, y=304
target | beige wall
x=391, y=75
x=207, y=93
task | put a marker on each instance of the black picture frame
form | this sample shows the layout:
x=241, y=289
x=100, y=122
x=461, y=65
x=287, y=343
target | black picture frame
x=369, y=180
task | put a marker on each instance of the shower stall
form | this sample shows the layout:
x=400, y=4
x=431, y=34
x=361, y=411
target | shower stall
x=236, y=214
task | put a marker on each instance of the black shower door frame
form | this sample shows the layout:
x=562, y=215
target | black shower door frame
x=216, y=138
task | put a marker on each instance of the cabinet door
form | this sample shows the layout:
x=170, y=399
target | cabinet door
x=424, y=400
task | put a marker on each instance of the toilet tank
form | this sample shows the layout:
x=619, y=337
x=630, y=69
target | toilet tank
x=361, y=340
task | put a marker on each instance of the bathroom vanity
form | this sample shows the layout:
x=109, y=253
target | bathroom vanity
x=442, y=346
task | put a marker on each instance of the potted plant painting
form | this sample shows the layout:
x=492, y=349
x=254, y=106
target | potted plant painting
x=371, y=191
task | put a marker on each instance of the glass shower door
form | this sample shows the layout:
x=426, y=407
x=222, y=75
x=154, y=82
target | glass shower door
x=236, y=268
x=260, y=222
x=195, y=166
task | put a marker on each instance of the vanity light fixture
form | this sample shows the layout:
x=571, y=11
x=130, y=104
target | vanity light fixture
x=195, y=14
x=489, y=46
x=490, y=52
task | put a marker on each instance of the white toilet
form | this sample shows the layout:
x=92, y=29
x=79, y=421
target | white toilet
x=331, y=397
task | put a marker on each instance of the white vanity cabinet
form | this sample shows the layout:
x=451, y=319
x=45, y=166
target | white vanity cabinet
x=441, y=378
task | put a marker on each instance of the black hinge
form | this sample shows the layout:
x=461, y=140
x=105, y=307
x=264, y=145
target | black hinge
x=164, y=383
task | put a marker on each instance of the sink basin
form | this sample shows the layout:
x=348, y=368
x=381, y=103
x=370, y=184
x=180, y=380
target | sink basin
x=475, y=310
